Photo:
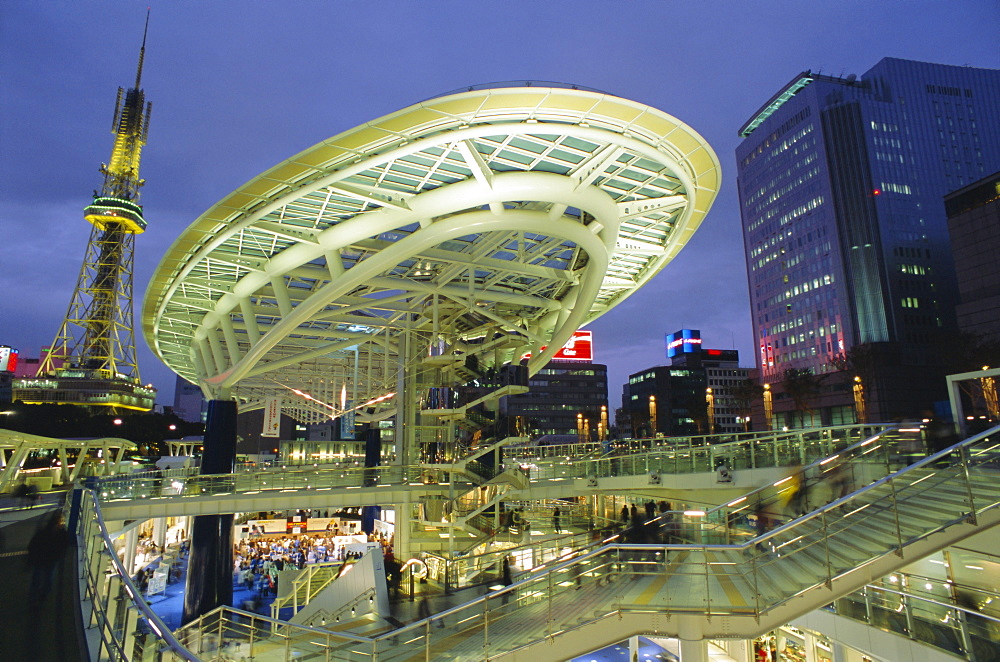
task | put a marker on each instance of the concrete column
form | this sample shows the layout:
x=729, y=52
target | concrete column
x=810, y=647
x=633, y=648
x=693, y=646
x=131, y=540
x=741, y=650
x=160, y=531
x=210, y=566
x=693, y=650
x=401, y=539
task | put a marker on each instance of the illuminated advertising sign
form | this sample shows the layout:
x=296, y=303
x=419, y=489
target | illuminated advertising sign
x=8, y=359
x=766, y=356
x=578, y=348
x=685, y=341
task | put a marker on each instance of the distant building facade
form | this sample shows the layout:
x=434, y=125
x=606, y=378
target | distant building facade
x=974, y=225
x=840, y=184
x=722, y=374
x=563, y=395
x=189, y=402
x=693, y=395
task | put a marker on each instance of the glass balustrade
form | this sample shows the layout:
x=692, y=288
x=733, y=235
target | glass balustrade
x=728, y=567
x=112, y=605
x=955, y=623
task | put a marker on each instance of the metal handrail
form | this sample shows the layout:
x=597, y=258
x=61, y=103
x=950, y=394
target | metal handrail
x=111, y=636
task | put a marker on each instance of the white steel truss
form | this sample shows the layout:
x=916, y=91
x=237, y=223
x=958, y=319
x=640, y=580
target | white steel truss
x=497, y=220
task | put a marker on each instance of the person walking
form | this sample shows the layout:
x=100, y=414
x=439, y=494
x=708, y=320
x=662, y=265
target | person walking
x=508, y=577
x=45, y=550
x=555, y=519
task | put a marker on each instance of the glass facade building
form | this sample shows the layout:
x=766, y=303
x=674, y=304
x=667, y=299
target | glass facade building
x=561, y=396
x=841, y=183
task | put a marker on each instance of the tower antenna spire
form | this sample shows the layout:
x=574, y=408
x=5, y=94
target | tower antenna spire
x=142, y=51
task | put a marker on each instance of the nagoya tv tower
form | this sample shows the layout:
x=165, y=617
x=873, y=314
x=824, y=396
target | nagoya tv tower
x=92, y=360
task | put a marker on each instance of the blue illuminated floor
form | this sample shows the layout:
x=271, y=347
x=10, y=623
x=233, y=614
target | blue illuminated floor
x=169, y=605
x=647, y=651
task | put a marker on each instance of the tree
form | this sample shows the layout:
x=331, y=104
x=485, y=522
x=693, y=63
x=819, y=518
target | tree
x=745, y=393
x=861, y=361
x=802, y=387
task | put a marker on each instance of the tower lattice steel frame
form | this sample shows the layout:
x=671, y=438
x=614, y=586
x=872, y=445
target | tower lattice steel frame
x=92, y=360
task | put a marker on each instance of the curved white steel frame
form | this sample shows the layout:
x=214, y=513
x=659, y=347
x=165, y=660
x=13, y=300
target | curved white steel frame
x=493, y=221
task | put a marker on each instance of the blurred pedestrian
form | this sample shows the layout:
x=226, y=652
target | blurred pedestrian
x=45, y=550
x=797, y=498
x=508, y=577
x=555, y=519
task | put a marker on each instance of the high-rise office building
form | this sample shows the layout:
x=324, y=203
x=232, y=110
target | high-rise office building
x=189, y=402
x=974, y=225
x=841, y=183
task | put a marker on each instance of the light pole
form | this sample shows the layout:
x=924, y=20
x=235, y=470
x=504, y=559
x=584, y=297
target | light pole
x=710, y=410
x=652, y=416
x=859, y=400
x=768, y=411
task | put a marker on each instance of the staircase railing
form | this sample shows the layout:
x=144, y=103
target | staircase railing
x=936, y=495
x=743, y=579
x=313, y=579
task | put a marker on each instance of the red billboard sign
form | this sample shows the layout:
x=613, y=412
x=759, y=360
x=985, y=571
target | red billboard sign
x=578, y=348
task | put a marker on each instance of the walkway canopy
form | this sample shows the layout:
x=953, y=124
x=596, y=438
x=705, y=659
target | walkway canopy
x=73, y=456
x=494, y=221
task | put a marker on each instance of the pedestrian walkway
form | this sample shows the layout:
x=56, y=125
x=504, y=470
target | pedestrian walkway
x=50, y=631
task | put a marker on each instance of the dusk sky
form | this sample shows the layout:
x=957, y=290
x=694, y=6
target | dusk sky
x=237, y=87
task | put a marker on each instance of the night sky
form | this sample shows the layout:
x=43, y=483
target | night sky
x=239, y=86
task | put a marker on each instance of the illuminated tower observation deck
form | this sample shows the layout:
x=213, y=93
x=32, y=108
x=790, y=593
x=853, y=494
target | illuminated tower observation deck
x=490, y=222
x=92, y=359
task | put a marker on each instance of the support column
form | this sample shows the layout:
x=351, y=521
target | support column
x=695, y=650
x=741, y=650
x=131, y=541
x=810, y=641
x=160, y=531
x=401, y=537
x=210, y=566
x=693, y=646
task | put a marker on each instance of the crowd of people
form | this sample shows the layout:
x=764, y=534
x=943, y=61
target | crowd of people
x=653, y=524
x=258, y=560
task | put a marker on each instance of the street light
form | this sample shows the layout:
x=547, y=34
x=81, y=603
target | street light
x=710, y=410
x=768, y=407
x=652, y=415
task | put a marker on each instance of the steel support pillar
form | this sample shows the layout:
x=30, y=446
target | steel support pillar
x=210, y=566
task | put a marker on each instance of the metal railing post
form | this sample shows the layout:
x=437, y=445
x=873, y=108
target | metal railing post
x=964, y=455
x=895, y=515
x=826, y=545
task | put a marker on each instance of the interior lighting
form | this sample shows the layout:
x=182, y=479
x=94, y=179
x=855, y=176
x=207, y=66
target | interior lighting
x=694, y=513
